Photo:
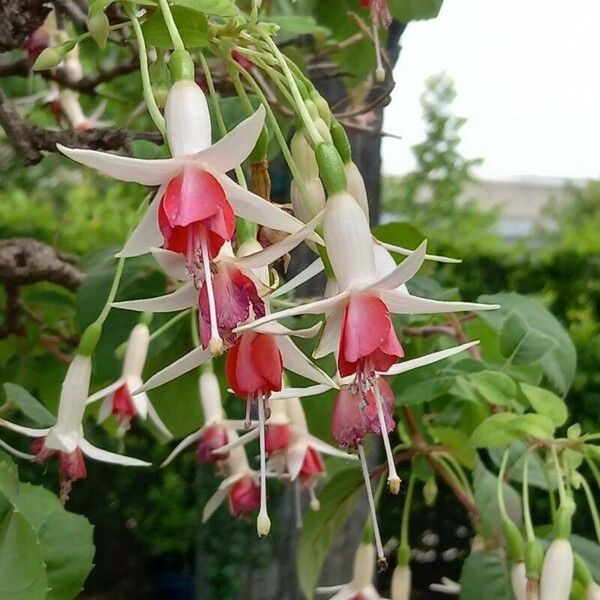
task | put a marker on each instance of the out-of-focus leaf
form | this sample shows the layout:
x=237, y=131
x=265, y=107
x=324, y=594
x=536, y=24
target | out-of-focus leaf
x=494, y=387
x=415, y=10
x=558, y=364
x=219, y=8
x=320, y=528
x=485, y=575
x=495, y=430
x=424, y=391
x=192, y=26
x=296, y=24
x=456, y=441
x=546, y=403
x=28, y=405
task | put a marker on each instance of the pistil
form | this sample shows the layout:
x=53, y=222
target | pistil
x=215, y=345
x=263, y=523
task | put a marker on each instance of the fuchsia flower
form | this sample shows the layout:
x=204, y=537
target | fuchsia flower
x=355, y=413
x=65, y=438
x=380, y=12
x=118, y=398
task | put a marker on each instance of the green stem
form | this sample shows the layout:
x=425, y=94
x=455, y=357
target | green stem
x=165, y=326
x=459, y=471
x=171, y=26
x=526, y=509
x=194, y=328
x=593, y=469
x=559, y=478
x=592, y=504
x=155, y=114
x=312, y=131
x=406, y=510
x=500, y=486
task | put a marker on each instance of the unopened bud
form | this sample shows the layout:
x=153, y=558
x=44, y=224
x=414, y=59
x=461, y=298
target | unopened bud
x=98, y=26
x=557, y=571
x=430, y=491
x=49, y=58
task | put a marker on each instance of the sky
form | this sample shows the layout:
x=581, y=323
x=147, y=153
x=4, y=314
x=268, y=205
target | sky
x=527, y=74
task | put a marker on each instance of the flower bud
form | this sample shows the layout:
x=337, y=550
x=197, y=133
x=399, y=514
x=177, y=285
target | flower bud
x=137, y=350
x=557, y=571
x=518, y=579
x=244, y=496
x=49, y=58
x=430, y=491
x=306, y=209
x=98, y=26
x=322, y=106
x=364, y=566
x=331, y=168
x=356, y=186
x=514, y=541
x=212, y=439
x=401, y=583
x=304, y=155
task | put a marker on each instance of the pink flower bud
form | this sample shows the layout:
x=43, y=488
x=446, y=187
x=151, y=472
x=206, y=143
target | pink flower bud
x=212, y=439
x=244, y=497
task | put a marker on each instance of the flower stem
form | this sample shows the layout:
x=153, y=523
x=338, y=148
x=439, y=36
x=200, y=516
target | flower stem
x=592, y=504
x=367, y=478
x=499, y=491
x=406, y=510
x=171, y=25
x=155, y=114
x=559, y=478
x=526, y=509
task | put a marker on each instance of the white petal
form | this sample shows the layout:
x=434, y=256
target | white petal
x=329, y=589
x=311, y=390
x=239, y=441
x=278, y=249
x=407, y=252
x=187, y=441
x=187, y=118
x=155, y=419
x=330, y=335
x=110, y=457
x=180, y=299
x=172, y=263
x=403, y=272
x=312, y=308
x=415, y=363
x=105, y=409
x=125, y=168
x=311, y=271
x=109, y=389
x=15, y=452
x=325, y=448
x=401, y=303
x=219, y=496
x=147, y=233
x=295, y=458
x=294, y=360
x=258, y=210
x=184, y=364
x=275, y=328
x=234, y=147
x=141, y=400
x=28, y=431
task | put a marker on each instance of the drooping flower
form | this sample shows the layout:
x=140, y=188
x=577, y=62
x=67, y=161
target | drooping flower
x=194, y=207
x=230, y=287
x=65, y=438
x=118, y=398
x=361, y=587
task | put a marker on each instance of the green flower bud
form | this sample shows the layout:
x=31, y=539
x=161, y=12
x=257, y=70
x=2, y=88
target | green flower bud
x=562, y=522
x=322, y=106
x=181, y=65
x=312, y=109
x=89, y=339
x=430, y=491
x=514, y=540
x=50, y=57
x=331, y=168
x=534, y=558
x=98, y=26
x=341, y=141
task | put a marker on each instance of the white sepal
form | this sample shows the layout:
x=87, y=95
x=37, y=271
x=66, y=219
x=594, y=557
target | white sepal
x=356, y=186
x=518, y=580
x=364, y=566
x=557, y=571
x=401, y=583
x=137, y=350
x=210, y=396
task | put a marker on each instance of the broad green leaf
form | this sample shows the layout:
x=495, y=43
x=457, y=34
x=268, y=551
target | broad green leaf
x=494, y=387
x=485, y=575
x=495, y=430
x=560, y=362
x=296, y=24
x=546, y=403
x=22, y=571
x=537, y=426
x=219, y=8
x=520, y=343
x=320, y=528
x=28, y=405
x=191, y=24
x=424, y=391
x=414, y=10
x=589, y=551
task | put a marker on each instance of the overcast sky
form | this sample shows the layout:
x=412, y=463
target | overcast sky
x=527, y=73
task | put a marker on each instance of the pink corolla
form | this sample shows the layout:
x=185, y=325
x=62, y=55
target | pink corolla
x=194, y=208
x=65, y=438
x=118, y=399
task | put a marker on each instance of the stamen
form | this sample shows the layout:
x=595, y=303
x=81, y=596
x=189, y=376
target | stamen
x=393, y=479
x=379, y=70
x=314, y=501
x=215, y=345
x=240, y=441
x=381, y=560
x=248, y=419
x=263, y=523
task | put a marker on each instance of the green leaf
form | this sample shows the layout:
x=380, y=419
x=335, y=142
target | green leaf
x=320, y=528
x=495, y=430
x=537, y=426
x=485, y=575
x=399, y=233
x=296, y=24
x=560, y=362
x=419, y=393
x=22, y=571
x=520, y=343
x=192, y=26
x=415, y=10
x=589, y=551
x=28, y=405
x=546, y=403
x=494, y=387
x=219, y=8
x=457, y=441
